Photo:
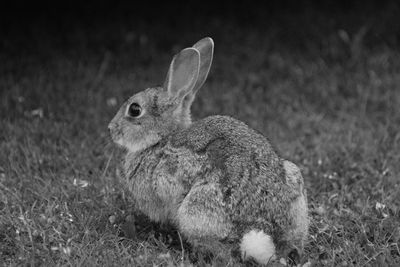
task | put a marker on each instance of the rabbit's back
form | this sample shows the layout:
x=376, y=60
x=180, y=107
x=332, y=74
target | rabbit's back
x=234, y=148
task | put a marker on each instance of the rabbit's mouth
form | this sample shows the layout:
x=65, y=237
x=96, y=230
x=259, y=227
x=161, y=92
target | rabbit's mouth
x=117, y=137
x=120, y=143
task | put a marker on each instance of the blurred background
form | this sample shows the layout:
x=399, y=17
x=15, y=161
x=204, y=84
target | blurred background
x=319, y=78
x=117, y=46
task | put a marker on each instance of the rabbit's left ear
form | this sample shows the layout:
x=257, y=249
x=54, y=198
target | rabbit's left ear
x=182, y=74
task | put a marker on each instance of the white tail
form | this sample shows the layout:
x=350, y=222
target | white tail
x=259, y=246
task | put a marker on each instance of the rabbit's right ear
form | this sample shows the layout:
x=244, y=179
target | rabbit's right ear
x=206, y=49
x=182, y=74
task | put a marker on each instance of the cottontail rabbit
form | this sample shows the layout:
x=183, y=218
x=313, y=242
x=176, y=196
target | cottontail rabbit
x=218, y=181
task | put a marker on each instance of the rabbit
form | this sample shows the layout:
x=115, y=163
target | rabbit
x=219, y=182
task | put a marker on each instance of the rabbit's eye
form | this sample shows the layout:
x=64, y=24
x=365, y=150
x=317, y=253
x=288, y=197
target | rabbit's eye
x=134, y=110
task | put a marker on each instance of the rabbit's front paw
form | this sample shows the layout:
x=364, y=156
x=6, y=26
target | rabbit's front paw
x=128, y=227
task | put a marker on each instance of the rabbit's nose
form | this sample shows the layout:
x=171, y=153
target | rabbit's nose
x=111, y=125
x=113, y=129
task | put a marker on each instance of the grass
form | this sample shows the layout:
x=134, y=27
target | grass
x=327, y=99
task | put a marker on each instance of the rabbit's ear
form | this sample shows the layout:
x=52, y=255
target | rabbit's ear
x=206, y=48
x=182, y=74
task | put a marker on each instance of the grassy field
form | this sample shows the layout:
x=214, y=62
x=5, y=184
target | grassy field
x=327, y=95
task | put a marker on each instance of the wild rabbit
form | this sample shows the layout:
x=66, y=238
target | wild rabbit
x=218, y=181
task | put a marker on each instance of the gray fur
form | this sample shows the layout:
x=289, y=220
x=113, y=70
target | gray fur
x=215, y=178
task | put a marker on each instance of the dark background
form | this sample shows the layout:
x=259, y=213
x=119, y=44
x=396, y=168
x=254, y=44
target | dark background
x=293, y=19
x=140, y=33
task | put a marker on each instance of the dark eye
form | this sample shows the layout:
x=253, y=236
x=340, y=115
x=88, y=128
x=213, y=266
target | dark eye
x=134, y=110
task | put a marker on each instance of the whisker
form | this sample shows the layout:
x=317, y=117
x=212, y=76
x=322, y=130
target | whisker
x=107, y=165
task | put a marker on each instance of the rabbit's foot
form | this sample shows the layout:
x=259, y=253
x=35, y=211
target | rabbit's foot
x=128, y=227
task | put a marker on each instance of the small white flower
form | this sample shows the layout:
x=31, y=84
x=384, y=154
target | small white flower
x=112, y=219
x=66, y=251
x=80, y=183
x=283, y=261
x=37, y=112
x=379, y=206
x=164, y=256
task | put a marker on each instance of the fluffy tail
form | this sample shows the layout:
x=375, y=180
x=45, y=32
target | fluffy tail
x=259, y=246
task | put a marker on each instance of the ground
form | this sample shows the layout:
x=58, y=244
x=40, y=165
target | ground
x=325, y=93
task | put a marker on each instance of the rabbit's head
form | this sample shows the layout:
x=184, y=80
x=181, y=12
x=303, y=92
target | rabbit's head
x=152, y=114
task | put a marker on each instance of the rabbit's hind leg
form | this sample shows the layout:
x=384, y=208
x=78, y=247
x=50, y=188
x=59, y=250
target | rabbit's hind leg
x=202, y=219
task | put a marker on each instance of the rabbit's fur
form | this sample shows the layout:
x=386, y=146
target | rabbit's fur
x=218, y=181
